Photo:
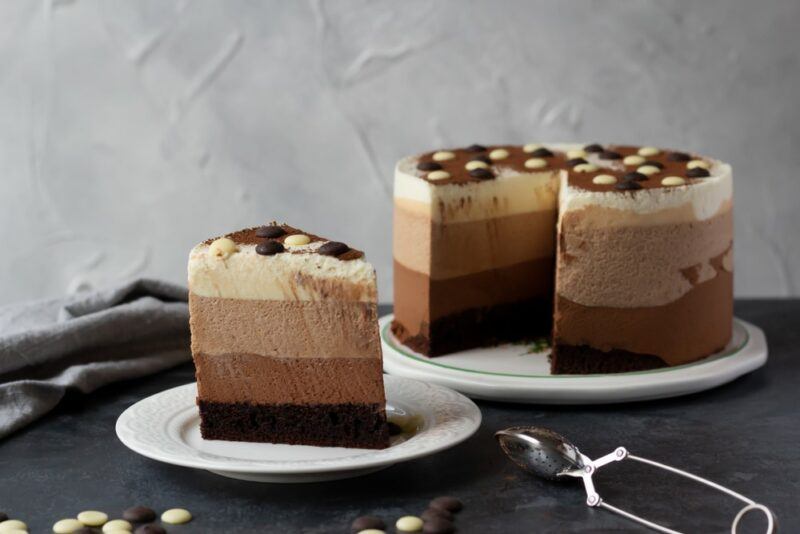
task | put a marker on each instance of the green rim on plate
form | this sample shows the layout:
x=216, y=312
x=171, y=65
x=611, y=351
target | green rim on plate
x=400, y=349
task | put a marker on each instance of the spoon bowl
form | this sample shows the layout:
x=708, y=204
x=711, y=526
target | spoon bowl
x=540, y=451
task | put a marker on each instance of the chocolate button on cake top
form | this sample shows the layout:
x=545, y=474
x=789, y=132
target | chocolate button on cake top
x=429, y=166
x=698, y=172
x=271, y=231
x=269, y=248
x=483, y=174
x=593, y=148
x=475, y=148
x=333, y=248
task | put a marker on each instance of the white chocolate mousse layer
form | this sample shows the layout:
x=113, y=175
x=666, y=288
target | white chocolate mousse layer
x=308, y=276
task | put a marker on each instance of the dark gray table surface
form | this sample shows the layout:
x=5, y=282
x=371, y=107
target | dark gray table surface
x=745, y=435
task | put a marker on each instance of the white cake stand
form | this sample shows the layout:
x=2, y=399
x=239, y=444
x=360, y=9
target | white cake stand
x=520, y=373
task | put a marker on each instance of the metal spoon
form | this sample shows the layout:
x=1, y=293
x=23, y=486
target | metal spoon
x=549, y=455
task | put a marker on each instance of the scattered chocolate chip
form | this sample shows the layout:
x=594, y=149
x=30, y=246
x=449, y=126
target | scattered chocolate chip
x=481, y=174
x=446, y=502
x=85, y=530
x=486, y=159
x=428, y=166
x=150, y=528
x=575, y=161
x=697, y=172
x=3, y=517
x=541, y=153
x=475, y=148
x=271, y=231
x=139, y=514
x=333, y=248
x=594, y=147
x=634, y=177
x=367, y=521
x=628, y=185
x=678, y=156
x=438, y=525
x=654, y=163
x=268, y=248
x=394, y=429
x=610, y=154
x=431, y=513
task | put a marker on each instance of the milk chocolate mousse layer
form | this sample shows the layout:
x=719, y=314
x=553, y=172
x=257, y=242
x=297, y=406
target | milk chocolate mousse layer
x=643, y=233
x=285, y=340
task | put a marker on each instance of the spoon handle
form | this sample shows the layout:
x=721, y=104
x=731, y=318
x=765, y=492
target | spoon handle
x=594, y=499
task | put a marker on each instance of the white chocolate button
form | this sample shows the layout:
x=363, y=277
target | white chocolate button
x=604, y=179
x=92, y=518
x=67, y=526
x=117, y=525
x=648, y=169
x=10, y=525
x=698, y=163
x=443, y=155
x=14, y=531
x=576, y=153
x=437, y=175
x=648, y=151
x=498, y=153
x=530, y=147
x=535, y=163
x=673, y=180
x=371, y=531
x=409, y=523
x=222, y=248
x=476, y=164
x=297, y=240
x=633, y=160
x=585, y=167
x=176, y=516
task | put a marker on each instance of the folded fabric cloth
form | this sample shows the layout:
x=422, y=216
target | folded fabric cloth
x=85, y=341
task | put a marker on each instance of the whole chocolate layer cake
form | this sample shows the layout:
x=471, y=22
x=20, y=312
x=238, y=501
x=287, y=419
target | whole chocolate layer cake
x=285, y=340
x=626, y=251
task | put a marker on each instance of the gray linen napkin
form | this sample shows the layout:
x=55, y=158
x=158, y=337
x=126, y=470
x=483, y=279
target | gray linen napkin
x=85, y=341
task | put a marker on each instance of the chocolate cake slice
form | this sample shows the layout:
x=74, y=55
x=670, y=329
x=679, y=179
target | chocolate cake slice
x=642, y=251
x=285, y=340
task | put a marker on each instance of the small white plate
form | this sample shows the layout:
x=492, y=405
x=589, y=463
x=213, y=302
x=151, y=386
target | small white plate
x=166, y=427
x=520, y=373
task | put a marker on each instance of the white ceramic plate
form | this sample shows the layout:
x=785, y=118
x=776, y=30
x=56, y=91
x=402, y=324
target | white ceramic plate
x=519, y=373
x=166, y=427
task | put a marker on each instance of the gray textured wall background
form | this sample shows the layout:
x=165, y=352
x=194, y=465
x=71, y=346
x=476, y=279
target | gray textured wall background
x=129, y=130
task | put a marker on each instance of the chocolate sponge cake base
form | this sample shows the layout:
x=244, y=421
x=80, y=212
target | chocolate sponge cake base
x=325, y=425
x=585, y=360
x=480, y=327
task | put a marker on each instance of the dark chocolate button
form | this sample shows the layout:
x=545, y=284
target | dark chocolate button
x=428, y=166
x=438, y=526
x=697, y=172
x=610, y=154
x=541, y=153
x=481, y=174
x=654, y=163
x=394, y=429
x=271, y=231
x=431, y=513
x=268, y=248
x=367, y=521
x=139, y=514
x=86, y=530
x=484, y=159
x=594, y=147
x=630, y=185
x=634, y=177
x=446, y=502
x=575, y=161
x=150, y=528
x=333, y=248
x=3, y=517
x=678, y=156
x=475, y=148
